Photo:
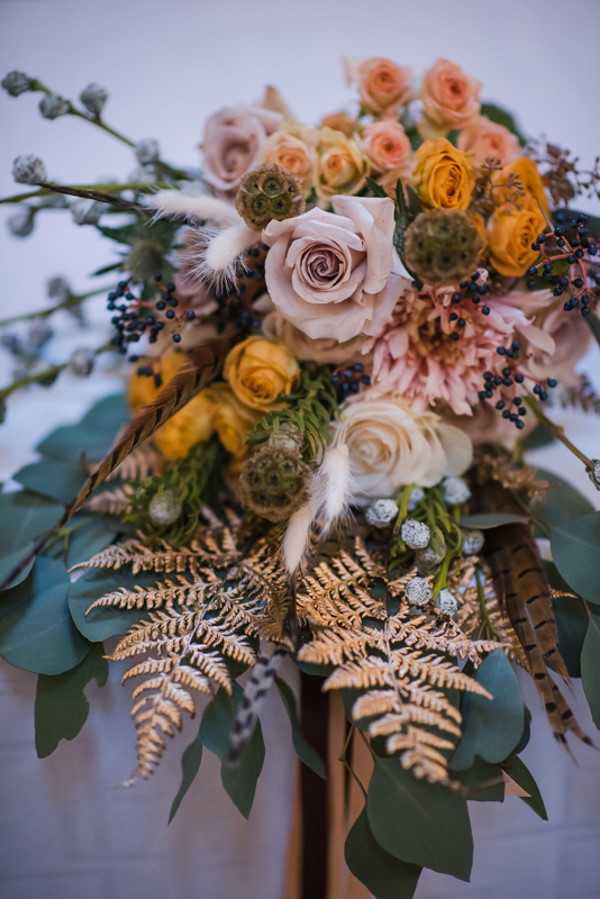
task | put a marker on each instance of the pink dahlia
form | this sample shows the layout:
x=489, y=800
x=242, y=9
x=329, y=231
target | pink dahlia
x=418, y=356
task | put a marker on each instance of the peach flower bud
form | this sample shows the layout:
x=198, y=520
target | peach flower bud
x=485, y=139
x=293, y=150
x=450, y=99
x=384, y=85
x=340, y=121
x=387, y=146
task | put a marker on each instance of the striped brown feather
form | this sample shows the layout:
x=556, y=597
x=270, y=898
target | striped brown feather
x=527, y=597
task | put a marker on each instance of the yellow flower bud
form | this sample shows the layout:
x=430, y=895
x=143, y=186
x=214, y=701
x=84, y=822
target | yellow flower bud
x=443, y=176
x=260, y=370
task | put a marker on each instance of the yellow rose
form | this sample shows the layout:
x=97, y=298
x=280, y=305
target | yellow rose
x=193, y=424
x=443, y=176
x=232, y=420
x=527, y=172
x=341, y=167
x=260, y=370
x=512, y=230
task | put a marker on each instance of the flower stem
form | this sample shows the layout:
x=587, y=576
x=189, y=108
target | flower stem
x=101, y=192
x=47, y=375
x=557, y=430
x=69, y=303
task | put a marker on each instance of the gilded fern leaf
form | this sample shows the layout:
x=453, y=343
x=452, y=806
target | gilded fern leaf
x=401, y=662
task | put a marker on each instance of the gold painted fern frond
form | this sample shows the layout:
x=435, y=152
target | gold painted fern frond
x=111, y=502
x=143, y=462
x=403, y=663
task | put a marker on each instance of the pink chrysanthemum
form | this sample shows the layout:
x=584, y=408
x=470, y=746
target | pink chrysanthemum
x=417, y=356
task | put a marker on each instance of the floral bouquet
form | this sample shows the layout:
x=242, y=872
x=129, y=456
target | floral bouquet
x=340, y=341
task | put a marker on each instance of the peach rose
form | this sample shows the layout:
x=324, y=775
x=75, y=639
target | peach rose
x=232, y=142
x=324, y=351
x=333, y=274
x=390, y=445
x=387, y=146
x=384, y=85
x=485, y=139
x=341, y=166
x=450, y=98
x=293, y=150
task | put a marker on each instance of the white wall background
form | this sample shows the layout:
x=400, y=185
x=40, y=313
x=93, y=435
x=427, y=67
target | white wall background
x=65, y=831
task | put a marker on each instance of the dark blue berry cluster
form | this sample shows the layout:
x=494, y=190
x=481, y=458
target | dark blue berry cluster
x=349, y=381
x=135, y=317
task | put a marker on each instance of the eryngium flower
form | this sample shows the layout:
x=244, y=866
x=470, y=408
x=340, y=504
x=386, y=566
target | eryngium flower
x=16, y=83
x=52, y=106
x=94, y=97
x=87, y=212
x=268, y=193
x=58, y=288
x=147, y=151
x=442, y=246
x=21, y=222
x=29, y=169
x=273, y=481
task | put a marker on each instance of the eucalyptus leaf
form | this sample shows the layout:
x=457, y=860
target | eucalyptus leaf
x=304, y=750
x=239, y=779
x=562, y=501
x=107, y=622
x=57, y=480
x=385, y=876
x=491, y=727
x=190, y=765
x=418, y=822
x=521, y=775
x=483, y=782
x=108, y=414
x=488, y=520
x=572, y=623
x=24, y=516
x=11, y=561
x=36, y=630
x=88, y=535
x=590, y=666
x=61, y=706
x=74, y=443
x=575, y=550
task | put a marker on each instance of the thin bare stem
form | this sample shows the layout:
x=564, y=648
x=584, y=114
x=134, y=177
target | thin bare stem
x=69, y=303
x=101, y=192
x=557, y=430
x=47, y=375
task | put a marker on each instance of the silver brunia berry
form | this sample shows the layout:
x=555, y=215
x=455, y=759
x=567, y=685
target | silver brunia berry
x=381, y=513
x=418, y=591
x=416, y=534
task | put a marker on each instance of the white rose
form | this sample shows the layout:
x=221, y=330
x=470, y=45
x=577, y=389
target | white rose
x=391, y=445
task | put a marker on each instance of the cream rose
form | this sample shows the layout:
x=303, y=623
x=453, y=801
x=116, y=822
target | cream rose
x=333, y=275
x=232, y=143
x=391, y=445
x=485, y=139
x=342, y=168
x=450, y=98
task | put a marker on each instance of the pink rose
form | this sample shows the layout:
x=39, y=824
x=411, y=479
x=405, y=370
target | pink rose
x=387, y=146
x=384, y=85
x=485, y=139
x=333, y=274
x=232, y=142
x=450, y=98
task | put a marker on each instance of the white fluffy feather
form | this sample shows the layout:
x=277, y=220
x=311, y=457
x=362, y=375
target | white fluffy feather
x=333, y=486
x=200, y=207
x=296, y=536
x=225, y=247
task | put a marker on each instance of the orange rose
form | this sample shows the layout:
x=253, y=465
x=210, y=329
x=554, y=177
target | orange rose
x=384, y=85
x=527, y=172
x=443, y=175
x=259, y=371
x=512, y=230
x=450, y=98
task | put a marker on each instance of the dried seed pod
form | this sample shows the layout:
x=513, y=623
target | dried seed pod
x=442, y=246
x=273, y=481
x=268, y=193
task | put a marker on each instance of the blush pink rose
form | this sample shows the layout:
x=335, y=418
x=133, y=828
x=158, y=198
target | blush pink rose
x=384, y=85
x=333, y=274
x=450, y=98
x=485, y=139
x=232, y=142
x=387, y=146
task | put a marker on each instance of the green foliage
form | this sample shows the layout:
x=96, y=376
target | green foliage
x=306, y=753
x=562, y=501
x=571, y=621
x=482, y=782
x=191, y=480
x=190, y=765
x=539, y=437
x=488, y=520
x=384, y=876
x=590, y=665
x=373, y=189
x=56, y=480
x=491, y=728
x=36, y=630
x=309, y=411
x=575, y=546
x=61, y=706
x=91, y=437
x=418, y=822
x=239, y=780
x=502, y=117
x=86, y=535
x=521, y=775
